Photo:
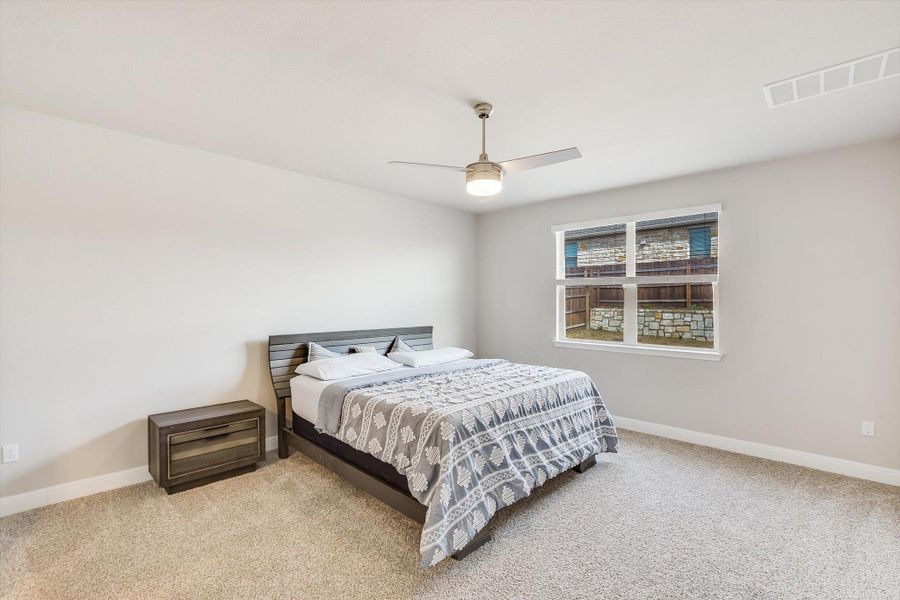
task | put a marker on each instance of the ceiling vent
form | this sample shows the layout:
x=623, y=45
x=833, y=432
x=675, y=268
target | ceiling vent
x=834, y=79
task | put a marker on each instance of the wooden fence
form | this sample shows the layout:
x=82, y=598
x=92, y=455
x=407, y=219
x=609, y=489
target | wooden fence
x=693, y=266
x=581, y=299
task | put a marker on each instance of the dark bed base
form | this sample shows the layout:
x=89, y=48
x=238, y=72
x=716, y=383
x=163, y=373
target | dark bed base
x=390, y=494
x=361, y=460
x=585, y=465
x=362, y=470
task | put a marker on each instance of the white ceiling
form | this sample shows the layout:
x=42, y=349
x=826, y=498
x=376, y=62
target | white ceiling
x=336, y=90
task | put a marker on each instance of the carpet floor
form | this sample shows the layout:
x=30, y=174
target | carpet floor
x=662, y=519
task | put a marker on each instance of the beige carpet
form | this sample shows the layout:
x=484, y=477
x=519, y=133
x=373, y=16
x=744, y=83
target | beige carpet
x=660, y=520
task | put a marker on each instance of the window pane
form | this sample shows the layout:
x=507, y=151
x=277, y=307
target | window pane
x=571, y=255
x=678, y=245
x=595, y=313
x=596, y=251
x=676, y=315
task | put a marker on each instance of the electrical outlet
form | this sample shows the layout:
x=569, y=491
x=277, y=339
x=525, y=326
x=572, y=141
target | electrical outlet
x=868, y=428
x=10, y=453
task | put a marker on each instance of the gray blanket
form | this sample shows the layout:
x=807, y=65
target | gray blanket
x=471, y=437
x=332, y=398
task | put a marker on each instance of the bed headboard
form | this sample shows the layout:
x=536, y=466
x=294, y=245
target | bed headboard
x=288, y=351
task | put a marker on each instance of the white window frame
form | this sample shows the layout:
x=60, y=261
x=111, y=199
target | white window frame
x=629, y=284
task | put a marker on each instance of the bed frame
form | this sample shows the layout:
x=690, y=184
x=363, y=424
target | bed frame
x=288, y=351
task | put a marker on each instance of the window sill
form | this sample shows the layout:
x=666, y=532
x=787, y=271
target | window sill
x=691, y=353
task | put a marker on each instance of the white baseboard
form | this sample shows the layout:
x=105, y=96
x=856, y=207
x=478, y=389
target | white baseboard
x=72, y=489
x=777, y=453
x=84, y=487
x=102, y=483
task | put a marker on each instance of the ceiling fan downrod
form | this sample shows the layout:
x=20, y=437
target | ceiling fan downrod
x=483, y=110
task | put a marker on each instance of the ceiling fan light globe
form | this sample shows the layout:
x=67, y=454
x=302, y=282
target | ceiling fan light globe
x=483, y=187
x=484, y=179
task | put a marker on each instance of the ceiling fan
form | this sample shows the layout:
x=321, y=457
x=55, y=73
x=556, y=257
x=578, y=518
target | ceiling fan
x=484, y=177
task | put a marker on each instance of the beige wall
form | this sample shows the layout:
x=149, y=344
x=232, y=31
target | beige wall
x=785, y=380
x=139, y=276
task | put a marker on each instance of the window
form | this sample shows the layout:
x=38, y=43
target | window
x=642, y=283
x=701, y=238
x=571, y=256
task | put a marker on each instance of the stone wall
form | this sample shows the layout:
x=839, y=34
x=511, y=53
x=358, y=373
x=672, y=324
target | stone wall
x=605, y=250
x=607, y=319
x=694, y=324
x=671, y=243
x=653, y=245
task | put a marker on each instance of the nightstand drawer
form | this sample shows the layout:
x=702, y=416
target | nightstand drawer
x=212, y=432
x=210, y=445
x=208, y=460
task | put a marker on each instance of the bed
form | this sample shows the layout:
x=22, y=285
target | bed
x=446, y=445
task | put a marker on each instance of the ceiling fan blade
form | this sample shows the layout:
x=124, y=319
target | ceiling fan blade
x=415, y=164
x=539, y=160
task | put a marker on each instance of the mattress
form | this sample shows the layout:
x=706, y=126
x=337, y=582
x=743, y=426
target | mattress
x=306, y=391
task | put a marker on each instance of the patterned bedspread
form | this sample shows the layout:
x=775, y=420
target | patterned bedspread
x=475, y=440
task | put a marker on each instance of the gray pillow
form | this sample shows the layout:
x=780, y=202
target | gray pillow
x=399, y=345
x=317, y=352
x=355, y=349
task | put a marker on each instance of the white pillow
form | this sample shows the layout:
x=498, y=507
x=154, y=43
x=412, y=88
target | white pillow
x=424, y=358
x=348, y=365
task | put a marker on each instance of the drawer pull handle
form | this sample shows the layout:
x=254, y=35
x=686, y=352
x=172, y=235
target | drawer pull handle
x=215, y=437
x=206, y=433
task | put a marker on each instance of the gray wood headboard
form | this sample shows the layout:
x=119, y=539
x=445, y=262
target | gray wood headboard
x=288, y=351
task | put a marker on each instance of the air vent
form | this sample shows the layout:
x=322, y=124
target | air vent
x=834, y=79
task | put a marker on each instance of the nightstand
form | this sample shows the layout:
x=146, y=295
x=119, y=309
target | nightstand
x=187, y=448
